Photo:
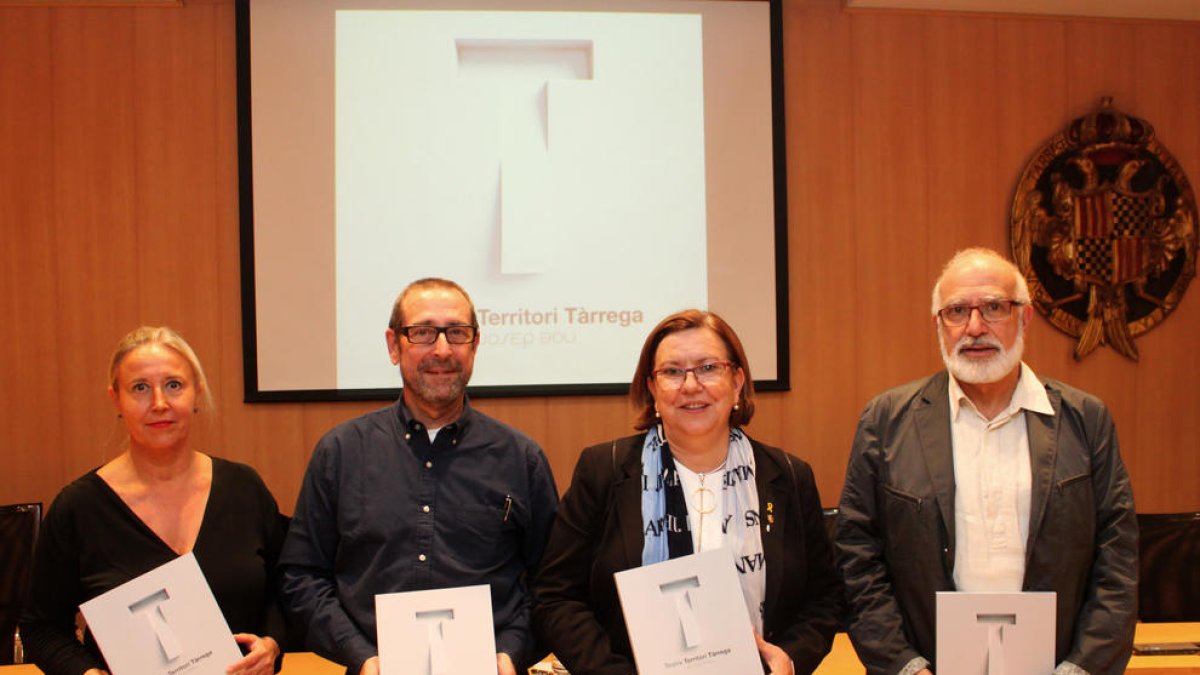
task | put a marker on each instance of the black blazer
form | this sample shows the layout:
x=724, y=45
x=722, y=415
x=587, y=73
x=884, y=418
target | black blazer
x=598, y=532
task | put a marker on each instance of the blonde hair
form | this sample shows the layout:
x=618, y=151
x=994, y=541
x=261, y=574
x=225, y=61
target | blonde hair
x=161, y=335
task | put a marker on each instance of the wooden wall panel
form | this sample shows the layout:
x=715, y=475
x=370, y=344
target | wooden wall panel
x=816, y=419
x=33, y=429
x=1166, y=444
x=961, y=172
x=890, y=211
x=92, y=113
x=906, y=134
x=1030, y=97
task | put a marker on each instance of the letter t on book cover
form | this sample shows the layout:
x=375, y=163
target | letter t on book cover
x=165, y=622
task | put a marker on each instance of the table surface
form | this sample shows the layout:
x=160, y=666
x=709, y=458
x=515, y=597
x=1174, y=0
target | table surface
x=841, y=661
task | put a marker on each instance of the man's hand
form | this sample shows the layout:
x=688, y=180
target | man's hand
x=504, y=665
x=777, y=660
x=370, y=666
x=259, y=658
x=925, y=672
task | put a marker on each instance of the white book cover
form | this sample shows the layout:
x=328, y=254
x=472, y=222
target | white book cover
x=447, y=631
x=165, y=622
x=688, y=615
x=995, y=633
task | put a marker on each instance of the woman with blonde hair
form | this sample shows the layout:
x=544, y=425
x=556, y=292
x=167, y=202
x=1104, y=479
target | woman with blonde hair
x=159, y=499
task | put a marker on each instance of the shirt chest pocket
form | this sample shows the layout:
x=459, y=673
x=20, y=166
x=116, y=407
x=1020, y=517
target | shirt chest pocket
x=481, y=536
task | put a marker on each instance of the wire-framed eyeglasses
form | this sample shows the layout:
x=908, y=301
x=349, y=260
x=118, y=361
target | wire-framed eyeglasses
x=673, y=377
x=991, y=311
x=427, y=335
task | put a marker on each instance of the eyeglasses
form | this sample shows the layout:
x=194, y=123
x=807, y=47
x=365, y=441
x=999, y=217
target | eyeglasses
x=992, y=311
x=427, y=335
x=706, y=373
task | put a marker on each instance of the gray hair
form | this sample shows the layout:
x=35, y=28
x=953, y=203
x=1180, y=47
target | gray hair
x=973, y=254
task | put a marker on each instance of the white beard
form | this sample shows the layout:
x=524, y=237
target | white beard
x=975, y=371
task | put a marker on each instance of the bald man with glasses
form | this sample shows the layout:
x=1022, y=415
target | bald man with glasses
x=985, y=477
x=426, y=493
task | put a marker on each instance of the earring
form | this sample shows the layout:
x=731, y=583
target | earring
x=736, y=406
x=656, y=415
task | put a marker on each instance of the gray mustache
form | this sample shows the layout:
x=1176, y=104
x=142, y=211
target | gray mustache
x=981, y=341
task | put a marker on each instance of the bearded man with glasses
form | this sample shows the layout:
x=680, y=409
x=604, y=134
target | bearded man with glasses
x=426, y=493
x=985, y=477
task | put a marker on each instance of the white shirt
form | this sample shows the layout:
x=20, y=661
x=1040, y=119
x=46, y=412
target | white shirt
x=706, y=508
x=993, y=483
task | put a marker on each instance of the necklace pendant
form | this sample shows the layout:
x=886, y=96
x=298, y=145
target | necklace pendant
x=706, y=500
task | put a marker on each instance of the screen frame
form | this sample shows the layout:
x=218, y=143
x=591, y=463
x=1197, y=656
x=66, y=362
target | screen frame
x=253, y=393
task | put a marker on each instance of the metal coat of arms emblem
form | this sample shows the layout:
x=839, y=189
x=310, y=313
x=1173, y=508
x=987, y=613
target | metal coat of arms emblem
x=1104, y=230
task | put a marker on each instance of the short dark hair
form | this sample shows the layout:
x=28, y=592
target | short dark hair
x=639, y=390
x=397, y=320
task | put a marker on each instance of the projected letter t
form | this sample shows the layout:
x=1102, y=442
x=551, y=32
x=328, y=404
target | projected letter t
x=519, y=73
x=151, y=607
x=684, y=610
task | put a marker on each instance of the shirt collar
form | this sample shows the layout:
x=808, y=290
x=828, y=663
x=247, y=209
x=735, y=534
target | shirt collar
x=454, y=429
x=1029, y=395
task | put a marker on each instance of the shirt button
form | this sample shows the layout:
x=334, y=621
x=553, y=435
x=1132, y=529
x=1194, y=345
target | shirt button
x=421, y=557
x=428, y=465
x=425, y=508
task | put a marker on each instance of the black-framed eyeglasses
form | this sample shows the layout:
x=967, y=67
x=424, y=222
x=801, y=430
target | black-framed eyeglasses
x=992, y=311
x=427, y=335
x=706, y=373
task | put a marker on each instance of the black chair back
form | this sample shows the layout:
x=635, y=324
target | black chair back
x=18, y=532
x=831, y=523
x=831, y=518
x=1169, y=566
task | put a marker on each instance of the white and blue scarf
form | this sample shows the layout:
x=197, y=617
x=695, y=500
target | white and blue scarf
x=665, y=524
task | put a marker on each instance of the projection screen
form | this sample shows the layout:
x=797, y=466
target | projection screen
x=582, y=168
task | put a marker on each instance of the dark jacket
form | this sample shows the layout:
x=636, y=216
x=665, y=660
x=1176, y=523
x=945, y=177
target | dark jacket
x=599, y=532
x=895, y=534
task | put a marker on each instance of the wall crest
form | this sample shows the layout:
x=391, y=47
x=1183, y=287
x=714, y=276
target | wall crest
x=1104, y=230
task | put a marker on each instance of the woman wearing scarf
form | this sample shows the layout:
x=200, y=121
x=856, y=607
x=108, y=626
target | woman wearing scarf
x=692, y=481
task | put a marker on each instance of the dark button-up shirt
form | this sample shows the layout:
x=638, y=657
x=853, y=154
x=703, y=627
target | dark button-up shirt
x=384, y=510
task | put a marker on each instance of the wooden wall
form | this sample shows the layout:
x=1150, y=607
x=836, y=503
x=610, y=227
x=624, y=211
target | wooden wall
x=906, y=134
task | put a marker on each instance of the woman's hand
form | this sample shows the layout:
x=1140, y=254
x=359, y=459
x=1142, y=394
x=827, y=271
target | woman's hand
x=504, y=664
x=259, y=660
x=777, y=660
